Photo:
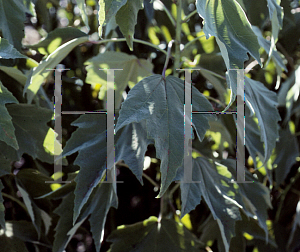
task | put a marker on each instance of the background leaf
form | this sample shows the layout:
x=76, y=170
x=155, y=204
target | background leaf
x=134, y=70
x=126, y=18
x=12, y=17
x=7, y=129
x=153, y=235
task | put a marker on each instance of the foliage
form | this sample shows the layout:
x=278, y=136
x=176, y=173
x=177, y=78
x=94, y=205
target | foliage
x=150, y=41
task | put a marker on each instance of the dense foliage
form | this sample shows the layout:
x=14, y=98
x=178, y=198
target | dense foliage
x=150, y=41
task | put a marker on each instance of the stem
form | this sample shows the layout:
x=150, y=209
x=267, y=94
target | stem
x=15, y=200
x=178, y=38
x=150, y=180
x=167, y=12
x=168, y=57
x=192, y=41
x=123, y=39
x=216, y=101
x=189, y=16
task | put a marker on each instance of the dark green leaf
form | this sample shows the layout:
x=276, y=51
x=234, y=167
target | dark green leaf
x=90, y=141
x=2, y=208
x=160, y=103
x=7, y=51
x=12, y=17
x=152, y=235
x=215, y=189
x=126, y=18
x=103, y=197
x=34, y=136
x=7, y=130
x=107, y=10
x=286, y=152
x=262, y=102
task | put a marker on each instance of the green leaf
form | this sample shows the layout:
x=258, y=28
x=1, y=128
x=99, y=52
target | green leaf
x=134, y=70
x=5, y=167
x=25, y=231
x=15, y=73
x=226, y=20
x=160, y=103
x=255, y=197
x=126, y=18
x=7, y=130
x=82, y=7
x=131, y=146
x=64, y=229
x=90, y=141
x=103, y=197
x=286, y=153
x=252, y=137
x=2, y=208
x=32, y=133
x=12, y=18
x=40, y=73
x=33, y=210
x=152, y=235
x=107, y=10
x=56, y=38
x=276, y=17
x=12, y=244
x=7, y=51
x=215, y=191
x=267, y=46
x=262, y=102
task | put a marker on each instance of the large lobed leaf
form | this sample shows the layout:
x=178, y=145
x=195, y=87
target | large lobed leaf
x=134, y=70
x=225, y=199
x=160, y=103
x=211, y=188
x=262, y=102
x=103, y=197
x=90, y=141
x=152, y=235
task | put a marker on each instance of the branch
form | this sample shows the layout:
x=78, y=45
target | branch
x=123, y=39
x=178, y=38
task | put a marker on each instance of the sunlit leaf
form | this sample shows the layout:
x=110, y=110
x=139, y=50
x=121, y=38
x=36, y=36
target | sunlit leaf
x=153, y=235
x=107, y=10
x=41, y=72
x=134, y=70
